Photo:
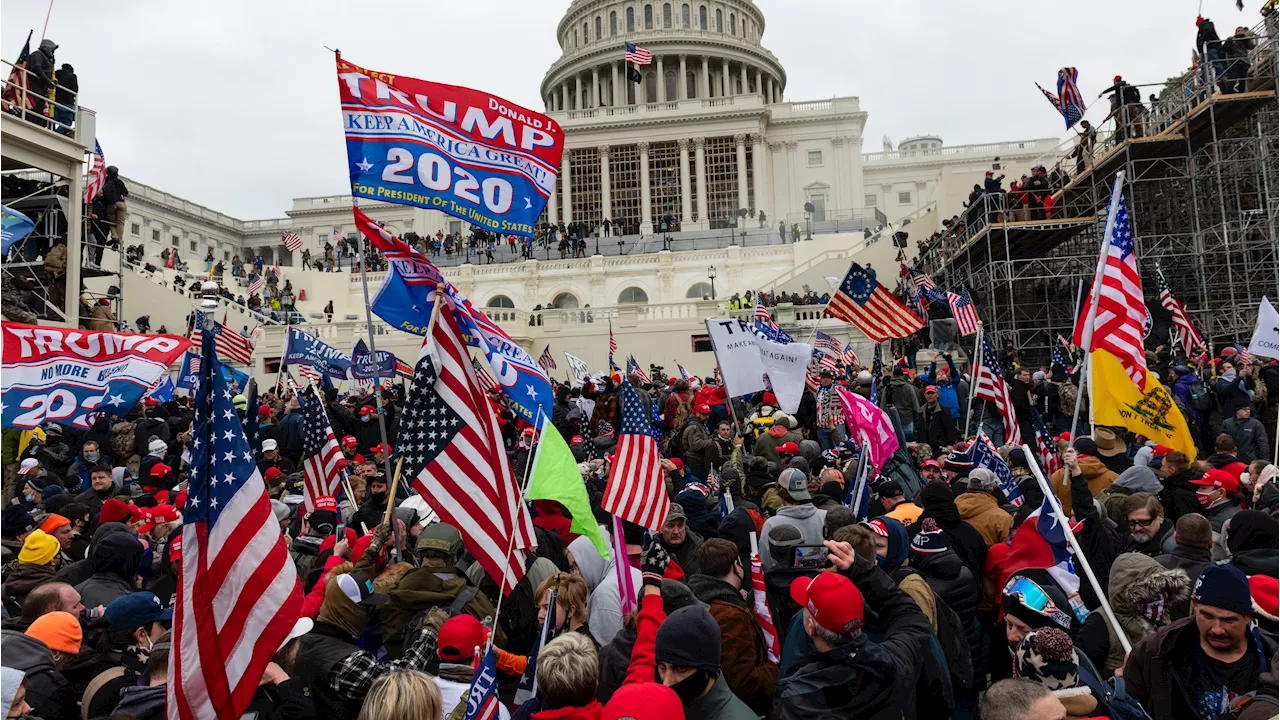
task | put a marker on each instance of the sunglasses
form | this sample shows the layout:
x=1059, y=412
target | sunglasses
x=1033, y=597
x=1141, y=523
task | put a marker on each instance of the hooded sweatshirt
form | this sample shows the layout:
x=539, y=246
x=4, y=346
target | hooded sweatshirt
x=115, y=562
x=1138, y=478
x=604, y=607
x=809, y=520
x=939, y=503
x=1138, y=582
x=10, y=679
x=909, y=581
x=48, y=692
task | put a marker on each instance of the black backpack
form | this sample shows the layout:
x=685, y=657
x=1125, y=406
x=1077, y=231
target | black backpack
x=1199, y=398
x=951, y=636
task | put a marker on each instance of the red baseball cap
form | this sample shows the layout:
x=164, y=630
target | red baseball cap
x=678, y=463
x=349, y=441
x=577, y=440
x=264, y=411
x=160, y=470
x=704, y=408
x=366, y=410
x=931, y=388
x=832, y=599
x=158, y=515
x=382, y=448
x=324, y=502
x=459, y=638
x=930, y=463
x=789, y=448
x=1219, y=479
x=273, y=473
x=150, y=402
x=175, y=548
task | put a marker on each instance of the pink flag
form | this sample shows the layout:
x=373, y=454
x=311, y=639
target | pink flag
x=869, y=423
x=626, y=589
x=761, y=605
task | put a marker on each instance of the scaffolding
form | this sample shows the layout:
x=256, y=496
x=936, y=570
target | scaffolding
x=1201, y=186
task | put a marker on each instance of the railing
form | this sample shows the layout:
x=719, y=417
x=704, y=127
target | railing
x=836, y=220
x=950, y=151
x=37, y=108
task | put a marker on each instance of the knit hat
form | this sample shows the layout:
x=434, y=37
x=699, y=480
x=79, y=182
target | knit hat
x=15, y=520
x=983, y=479
x=689, y=637
x=1223, y=587
x=831, y=599
x=781, y=539
x=280, y=510
x=459, y=638
x=643, y=700
x=929, y=541
x=157, y=446
x=59, y=630
x=1048, y=657
x=114, y=510
x=39, y=548
x=240, y=401
x=1263, y=590
x=958, y=462
x=53, y=522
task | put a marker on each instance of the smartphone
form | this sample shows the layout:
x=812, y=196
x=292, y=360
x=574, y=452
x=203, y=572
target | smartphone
x=810, y=557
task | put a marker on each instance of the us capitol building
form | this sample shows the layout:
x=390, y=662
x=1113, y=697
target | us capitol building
x=674, y=162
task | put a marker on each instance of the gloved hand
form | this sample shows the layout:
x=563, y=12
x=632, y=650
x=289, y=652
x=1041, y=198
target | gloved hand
x=435, y=619
x=380, y=535
x=653, y=561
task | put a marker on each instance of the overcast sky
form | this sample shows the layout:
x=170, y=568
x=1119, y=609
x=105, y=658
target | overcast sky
x=233, y=103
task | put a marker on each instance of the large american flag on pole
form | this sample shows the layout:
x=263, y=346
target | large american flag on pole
x=963, y=310
x=1118, y=324
x=545, y=361
x=454, y=457
x=97, y=173
x=323, y=463
x=992, y=387
x=636, y=491
x=1070, y=101
x=868, y=306
x=231, y=345
x=638, y=55
x=1184, y=330
x=291, y=241
x=634, y=367
x=827, y=344
x=238, y=593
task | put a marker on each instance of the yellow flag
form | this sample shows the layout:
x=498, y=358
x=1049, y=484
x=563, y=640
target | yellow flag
x=1120, y=403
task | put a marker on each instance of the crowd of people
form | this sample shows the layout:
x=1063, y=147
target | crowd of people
x=927, y=608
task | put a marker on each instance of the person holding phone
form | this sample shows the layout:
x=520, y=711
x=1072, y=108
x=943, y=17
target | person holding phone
x=797, y=510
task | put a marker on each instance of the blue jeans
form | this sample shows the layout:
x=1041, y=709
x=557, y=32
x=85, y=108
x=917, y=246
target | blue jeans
x=824, y=436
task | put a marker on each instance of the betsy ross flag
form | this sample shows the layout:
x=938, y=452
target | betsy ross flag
x=868, y=306
x=1120, y=318
x=482, y=698
x=992, y=387
x=637, y=54
x=323, y=463
x=97, y=173
x=454, y=456
x=636, y=492
x=634, y=367
x=230, y=345
x=1184, y=330
x=291, y=241
x=963, y=310
x=545, y=361
x=238, y=594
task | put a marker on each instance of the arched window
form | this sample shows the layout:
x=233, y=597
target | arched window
x=634, y=296
x=666, y=15
x=565, y=301
x=575, y=37
x=702, y=17
x=690, y=85
x=719, y=21
x=651, y=87
x=613, y=23
x=500, y=301
x=631, y=20
x=599, y=27
x=648, y=17
x=699, y=291
x=684, y=16
x=733, y=24
x=669, y=86
x=586, y=33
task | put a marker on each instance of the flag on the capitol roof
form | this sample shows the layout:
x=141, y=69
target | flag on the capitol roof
x=1184, y=330
x=636, y=491
x=482, y=697
x=454, y=456
x=990, y=386
x=291, y=241
x=545, y=360
x=982, y=453
x=97, y=173
x=238, y=594
x=1118, y=324
x=323, y=464
x=638, y=55
x=963, y=310
x=868, y=306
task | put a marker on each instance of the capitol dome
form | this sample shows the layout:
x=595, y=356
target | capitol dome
x=701, y=50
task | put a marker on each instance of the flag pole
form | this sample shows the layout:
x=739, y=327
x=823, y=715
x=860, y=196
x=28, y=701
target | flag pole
x=373, y=354
x=511, y=546
x=974, y=363
x=1075, y=546
x=1086, y=333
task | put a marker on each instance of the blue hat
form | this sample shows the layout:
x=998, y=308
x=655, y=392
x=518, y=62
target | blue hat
x=1223, y=587
x=135, y=610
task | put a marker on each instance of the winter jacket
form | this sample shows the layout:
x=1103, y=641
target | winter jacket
x=768, y=442
x=604, y=607
x=1179, y=495
x=902, y=395
x=1250, y=437
x=81, y=570
x=115, y=562
x=1138, y=581
x=686, y=556
x=744, y=655
x=939, y=503
x=1233, y=393
x=698, y=447
x=948, y=391
x=935, y=427
x=720, y=704
x=1219, y=514
x=1138, y=478
x=1187, y=558
x=102, y=319
x=1094, y=471
x=808, y=519
x=982, y=511
x=40, y=69
x=50, y=695
x=1099, y=542
x=958, y=587
x=21, y=580
x=863, y=679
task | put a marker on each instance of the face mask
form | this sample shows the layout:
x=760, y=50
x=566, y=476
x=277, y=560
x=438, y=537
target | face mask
x=378, y=497
x=692, y=687
x=1205, y=498
x=92, y=456
x=29, y=497
x=367, y=418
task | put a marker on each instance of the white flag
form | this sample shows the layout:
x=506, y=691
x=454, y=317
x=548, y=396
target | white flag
x=578, y=368
x=1266, y=337
x=750, y=364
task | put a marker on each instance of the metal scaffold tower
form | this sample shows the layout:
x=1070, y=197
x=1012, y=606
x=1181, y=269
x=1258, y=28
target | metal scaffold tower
x=1202, y=190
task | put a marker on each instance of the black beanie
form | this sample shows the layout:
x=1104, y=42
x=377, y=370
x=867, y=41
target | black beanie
x=689, y=637
x=1018, y=458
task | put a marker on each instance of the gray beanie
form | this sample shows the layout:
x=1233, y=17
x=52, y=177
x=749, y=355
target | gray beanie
x=280, y=510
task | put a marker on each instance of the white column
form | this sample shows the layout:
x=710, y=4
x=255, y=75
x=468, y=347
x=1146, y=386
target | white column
x=662, y=82
x=746, y=86
x=568, y=96
x=700, y=167
x=724, y=77
x=566, y=188
x=606, y=197
x=686, y=198
x=595, y=87
x=840, y=183
x=740, y=145
x=705, y=90
x=758, y=173
x=682, y=88
x=646, y=202
x=577, y=92
x=553, y=203
x=768, y=96
x=759, y=87
x=614, y=87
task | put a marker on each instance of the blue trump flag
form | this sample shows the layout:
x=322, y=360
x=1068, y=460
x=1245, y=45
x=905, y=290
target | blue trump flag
x=164, y=391
x=13, y=227
x=362, y=365
x=189, y=374
x=304, y=349
x=482, y=698
x=983, y=455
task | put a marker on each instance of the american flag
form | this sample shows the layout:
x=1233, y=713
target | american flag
x=825, y=360
x=768, y=329
x=1071, y=102
x=238, y=594
x=483, y=376
x=545, y=361
x=992, y=387
x=230, y=345
x=636, y=491
x=826, y=343
x=1186, y=333
x=323, y=464
x=291, y=241
x=760, y=605
x=811, y=381
x=337, y=235
x=982, y=453
x=1121, y=315
x=638, y=55
x=963, y=310
x=634, y=367
x=482, y=697
x=1058, y=358
x=1046, y=446
x=97, y=173
x=613, y=344
x=309, y=373
x=684, y=374
x=256, y=282
x=868, y=306
x=454, y=455
x=1243, y=354
x=877, y=371
x=926, y=288
x=850, y=355
x=15, y=91
x=404, y=369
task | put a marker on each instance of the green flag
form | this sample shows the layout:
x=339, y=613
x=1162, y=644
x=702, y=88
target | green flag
x=556, y=477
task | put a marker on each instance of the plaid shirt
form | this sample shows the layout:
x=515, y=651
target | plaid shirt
x=354, y=675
